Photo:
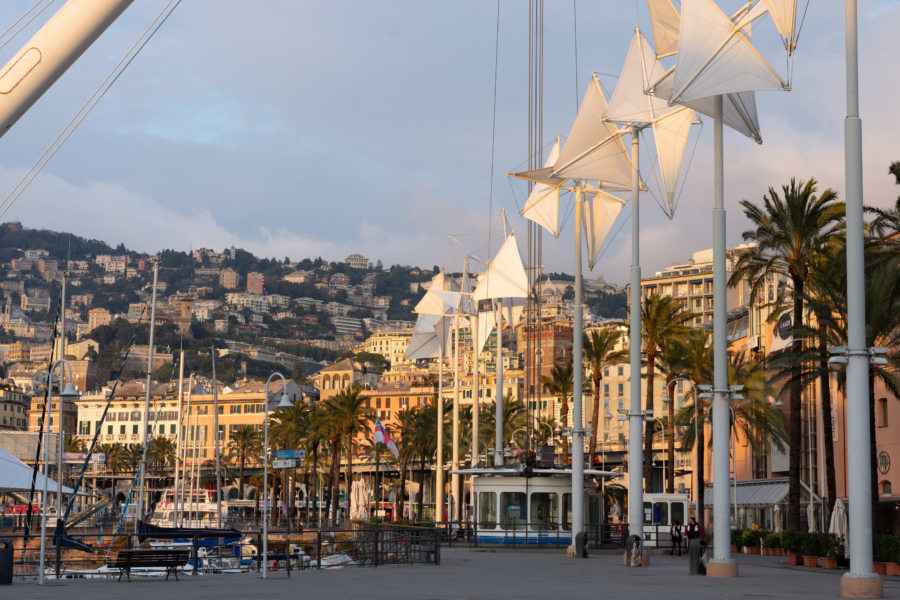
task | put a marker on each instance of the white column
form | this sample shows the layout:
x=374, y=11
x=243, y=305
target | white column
x=726, y=567
x=498, y=375
x=635, y=434
x=577, y=381
x=860, y=581
x=454, y=461
x=439, y=464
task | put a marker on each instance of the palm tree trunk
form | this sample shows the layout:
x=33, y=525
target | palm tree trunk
x=595, y=418
x=315, y=477
x=648, y=425
x=349, y=463
x=795, y=434
x=421, y=496
x=335, y=475
x=564, y=419
x=241, y=480
x=827, y=432
x=670, y=479
x=401, y=501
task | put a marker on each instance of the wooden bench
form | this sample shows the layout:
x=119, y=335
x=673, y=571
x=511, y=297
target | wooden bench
x=128, y=558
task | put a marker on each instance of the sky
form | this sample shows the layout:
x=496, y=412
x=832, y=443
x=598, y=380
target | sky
x=301, y=129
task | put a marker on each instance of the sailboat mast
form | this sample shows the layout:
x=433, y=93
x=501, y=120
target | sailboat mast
x=59, y=418
x=145, y=419
x=216, y=439
x=454, y=478
x=178, y=437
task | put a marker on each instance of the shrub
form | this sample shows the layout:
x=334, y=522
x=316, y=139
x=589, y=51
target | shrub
x=772, y=540
x=832, y=546
x=813, y=543
x=881, y=548
x=754, y=537
x=793, y=541
x=737, y=537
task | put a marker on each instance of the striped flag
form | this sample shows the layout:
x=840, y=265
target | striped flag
x=383, y=437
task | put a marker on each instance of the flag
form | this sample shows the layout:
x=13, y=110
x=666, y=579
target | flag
x=383, y=437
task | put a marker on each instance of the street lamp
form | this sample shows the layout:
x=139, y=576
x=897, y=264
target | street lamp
x=284, y=403
x=67, y=393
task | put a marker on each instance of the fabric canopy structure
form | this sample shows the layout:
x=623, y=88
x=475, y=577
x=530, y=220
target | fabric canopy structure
x=15, y=476
x=542, y=205
x=600, y=212
x=631, y=104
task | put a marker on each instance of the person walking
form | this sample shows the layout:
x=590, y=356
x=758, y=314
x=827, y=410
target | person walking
x=692, y=530
x=675, y=532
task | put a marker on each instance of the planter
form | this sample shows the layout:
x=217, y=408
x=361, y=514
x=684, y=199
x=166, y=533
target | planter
x=892, y=568
x=794, y=560
x=880, y=567
x=734, y=548
x=829, y=563
x=753, y=550
x=810, y=561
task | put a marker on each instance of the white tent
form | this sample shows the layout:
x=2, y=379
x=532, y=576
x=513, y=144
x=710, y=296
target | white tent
x=15, y=476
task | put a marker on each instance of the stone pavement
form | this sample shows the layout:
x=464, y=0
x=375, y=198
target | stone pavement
x=477, y=574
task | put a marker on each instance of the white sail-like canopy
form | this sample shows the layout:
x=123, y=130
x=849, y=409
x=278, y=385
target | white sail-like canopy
x=715, y=56
x=665, y=22
x=430, y=334
x=505, y=276
x=600, y=213
x=594, y=149
x=542, y=205
x=784, y=15
x=430, y=304
x=630, y=103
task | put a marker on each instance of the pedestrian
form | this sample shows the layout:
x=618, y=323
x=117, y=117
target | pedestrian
x=693, y=530
x=675, y=532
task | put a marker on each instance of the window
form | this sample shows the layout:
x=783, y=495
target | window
x=122, y=429
x=513, y=510
x=377, y=402
x=606, y=389
x=606, y=372
x=567, y=511
x=621, y=390
x=172, y=429
x=162, y=429
x=882, y=412
x=221, y=410
x=678, y=512
x=387, y=402
x=544, y=510
x=109, y=430
x=234, y=409
x=886, y=488
x=487, y=509
x=621, y=370
x=134, y=430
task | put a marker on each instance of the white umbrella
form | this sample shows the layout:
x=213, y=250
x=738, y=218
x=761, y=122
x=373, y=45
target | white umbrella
x=839, y=522
x=776, y=517
x=811, y=516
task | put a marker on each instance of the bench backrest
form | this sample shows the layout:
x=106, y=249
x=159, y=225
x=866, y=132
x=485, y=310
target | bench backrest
x=144, y=557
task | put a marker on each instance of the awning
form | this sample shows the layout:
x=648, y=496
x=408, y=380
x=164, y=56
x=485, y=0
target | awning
x=15, y=476
x=755, y=493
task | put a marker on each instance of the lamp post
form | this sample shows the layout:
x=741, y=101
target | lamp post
x=728, y=393
x=284, y=403
x=67, y=393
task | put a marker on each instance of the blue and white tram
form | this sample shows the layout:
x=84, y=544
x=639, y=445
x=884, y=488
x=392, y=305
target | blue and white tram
x=514, y=509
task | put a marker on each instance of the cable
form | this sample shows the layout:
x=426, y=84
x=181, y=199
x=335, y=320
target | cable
x=93, y=100
x=493, y=128
x=575, y=42
x=27, y=23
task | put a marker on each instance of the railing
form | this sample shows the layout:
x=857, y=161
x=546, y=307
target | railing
x=363, y=547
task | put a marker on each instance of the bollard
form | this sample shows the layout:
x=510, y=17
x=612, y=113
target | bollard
x=6, y=563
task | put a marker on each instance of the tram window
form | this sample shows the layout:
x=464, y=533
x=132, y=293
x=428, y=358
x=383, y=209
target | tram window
x=513, y=510
x=544, y=510
x=487, y=510
x=678, y=512
x=567, y=511
x=661, y=513
x=594, y=508
x=648, y=513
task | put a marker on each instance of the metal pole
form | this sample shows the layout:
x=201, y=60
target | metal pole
x=178, y=437
x=498, y=370
x=439, y=464
x=216, y=440
x=61, y=440
x=454, y=459
x=145, y=419
x=46, y=477
x=476, y=405
x=265, y=556
x=722, y=564
x=577, y=386
x=860, y=578
x=635, y=447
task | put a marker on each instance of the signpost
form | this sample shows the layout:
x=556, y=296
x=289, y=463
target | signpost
x=284, y=463
x=290, y=454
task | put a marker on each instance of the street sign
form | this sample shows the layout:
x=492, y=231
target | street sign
x=285, y=463
x=290, y=454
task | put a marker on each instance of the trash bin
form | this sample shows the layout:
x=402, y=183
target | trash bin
x=696, y=550
x=581, y=545
x=6, y=563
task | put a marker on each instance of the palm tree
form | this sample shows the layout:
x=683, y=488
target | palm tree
x=72, y=443
x=671, y=365
x=161, y=453
x=131, y=457
x=755, y=418
x=113, y=455
x=546, y=429
x=662, y=319
x=287, y=430
x=425, y=444
x=514, y=416
x=245, y=441
x=599, y=354
x=350, y=414
x=559, y=384
x=887, y=220
x=789, y=230
x=406, y=433
x=697, y=361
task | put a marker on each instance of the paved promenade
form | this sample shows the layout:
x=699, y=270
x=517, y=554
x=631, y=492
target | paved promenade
x=479, y=575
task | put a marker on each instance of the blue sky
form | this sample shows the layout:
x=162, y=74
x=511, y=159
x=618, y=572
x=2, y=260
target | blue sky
x=324, y=128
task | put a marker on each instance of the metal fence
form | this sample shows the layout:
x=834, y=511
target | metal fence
x=353, y=546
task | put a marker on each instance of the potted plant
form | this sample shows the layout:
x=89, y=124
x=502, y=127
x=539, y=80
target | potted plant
x=772, y=543
x=831, y=551
x=736, y=539
x=792, y=541
x=752, y=538
x=880, y=553
x=893, y=564
x=812, y=544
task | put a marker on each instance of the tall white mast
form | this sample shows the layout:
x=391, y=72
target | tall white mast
x=178, y=437
x=145, y=420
